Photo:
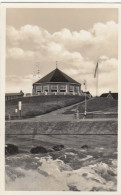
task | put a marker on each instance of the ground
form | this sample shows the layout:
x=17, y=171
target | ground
x=37, y=105
x=88, y=161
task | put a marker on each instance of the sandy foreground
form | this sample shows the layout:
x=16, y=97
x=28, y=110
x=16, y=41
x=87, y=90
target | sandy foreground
x=71, y=169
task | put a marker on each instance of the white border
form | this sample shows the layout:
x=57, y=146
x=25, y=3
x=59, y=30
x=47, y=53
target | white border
x=2, y=97
x=61, y=1
x=60, y=5
x=2, y=88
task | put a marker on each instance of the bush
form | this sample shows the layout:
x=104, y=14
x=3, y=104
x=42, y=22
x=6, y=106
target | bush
x=38, y=149
x=11, y=149
x=58, y=147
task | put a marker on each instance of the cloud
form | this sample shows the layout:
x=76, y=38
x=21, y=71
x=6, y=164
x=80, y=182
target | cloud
x=109, y=65
x=107, y=79
x=76, y=51
x=100, y=40
x=18, y=53
x=27, y=33
x=17, y=83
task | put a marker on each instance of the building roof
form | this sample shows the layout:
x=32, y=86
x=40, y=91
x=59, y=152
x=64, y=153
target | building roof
x=114, y=95
x=87, y=92
x=56, y=76
x=15, y=94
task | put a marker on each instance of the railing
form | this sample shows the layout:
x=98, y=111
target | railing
x=97, y=115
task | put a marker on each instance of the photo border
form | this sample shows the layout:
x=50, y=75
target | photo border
x=2, y=89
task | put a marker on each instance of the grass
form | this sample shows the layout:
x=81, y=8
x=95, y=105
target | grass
x=65, y=127
x=96, y=104
x=37, y=105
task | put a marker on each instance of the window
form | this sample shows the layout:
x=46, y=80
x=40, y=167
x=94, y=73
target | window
x=71, y=88
x=39, y=88
x=45, y=88
x=53, y=88
x=38, y=92
x=76, y=89
x=62, y=88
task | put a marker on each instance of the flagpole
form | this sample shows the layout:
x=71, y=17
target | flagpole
x=85, y=98
x=96, y=76
x=97, y=84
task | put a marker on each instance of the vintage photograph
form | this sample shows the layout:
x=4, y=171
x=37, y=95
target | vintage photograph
x=61, y=99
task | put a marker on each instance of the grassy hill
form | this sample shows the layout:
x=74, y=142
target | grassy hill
x=37, y=105
x=96, y=104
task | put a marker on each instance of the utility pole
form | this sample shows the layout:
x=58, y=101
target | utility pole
x=36, y=64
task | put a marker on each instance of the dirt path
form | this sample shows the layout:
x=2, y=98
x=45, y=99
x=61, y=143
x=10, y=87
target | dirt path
x=56, y=115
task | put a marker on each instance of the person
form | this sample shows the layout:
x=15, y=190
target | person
x=77, y=114
x=84, y=115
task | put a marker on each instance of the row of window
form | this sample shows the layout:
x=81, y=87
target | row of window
x=54, y=88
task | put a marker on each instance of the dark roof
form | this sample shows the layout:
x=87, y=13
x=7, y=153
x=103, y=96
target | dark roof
x=87, y=92
x=15, y=94
x=56, y=76
x=114, y=95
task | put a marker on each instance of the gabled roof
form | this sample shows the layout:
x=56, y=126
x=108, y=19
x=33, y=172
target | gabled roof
x=114, y=95
x=56, y=76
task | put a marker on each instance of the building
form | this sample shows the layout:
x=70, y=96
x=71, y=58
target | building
x=56, y=83
x=27, y=94
x=88, y=94
x=10, y=96
x=110, y=95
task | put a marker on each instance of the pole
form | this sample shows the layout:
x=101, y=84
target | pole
x=97, y=77
x=19, y=114
x=85, y=99
x=20, y=108
x=97, y=84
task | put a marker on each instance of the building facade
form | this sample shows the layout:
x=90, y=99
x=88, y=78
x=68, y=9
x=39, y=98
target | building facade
x=10, y=96
x=110, y=95
x=88, y=94
x=56, y=83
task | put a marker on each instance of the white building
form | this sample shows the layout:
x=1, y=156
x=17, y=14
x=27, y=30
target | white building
x=56, y=82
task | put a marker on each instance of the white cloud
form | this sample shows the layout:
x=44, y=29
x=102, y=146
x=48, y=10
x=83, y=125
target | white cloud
x=18, y=53
x=77, y=52
x=105, y=30
x=109, y=65
x=16, y=83
x=33, y=34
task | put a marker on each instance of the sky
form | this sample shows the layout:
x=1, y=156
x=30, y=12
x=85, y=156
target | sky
x=77, y=38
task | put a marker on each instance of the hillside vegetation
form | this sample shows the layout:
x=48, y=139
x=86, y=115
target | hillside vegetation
x=62, y=127
x=96, y=104
x=37, y=105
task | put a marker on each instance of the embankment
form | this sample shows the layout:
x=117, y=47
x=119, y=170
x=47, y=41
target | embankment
x=65, y=127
